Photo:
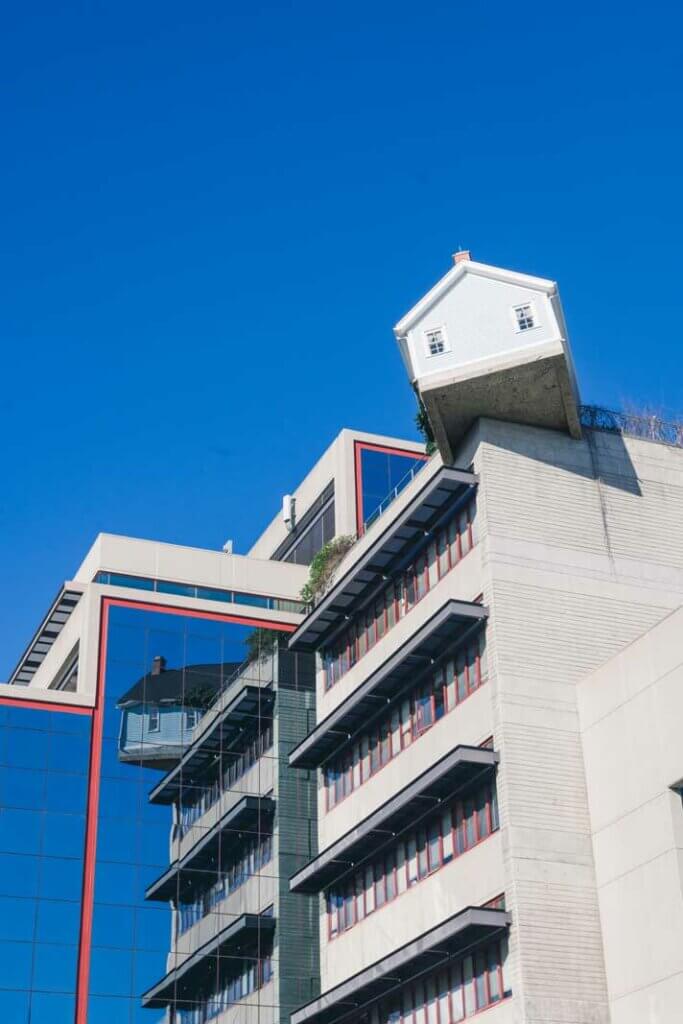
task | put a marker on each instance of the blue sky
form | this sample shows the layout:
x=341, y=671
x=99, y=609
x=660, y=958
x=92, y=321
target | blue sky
x=213, y=214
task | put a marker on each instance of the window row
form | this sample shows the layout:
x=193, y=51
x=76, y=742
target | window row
x=469, y=985
x=253, y=977
x=417, y=854
x=200, y=798
x=191, y=717
x=253, y=856
x=447, y=547
x=280, y=604
x=409, y=719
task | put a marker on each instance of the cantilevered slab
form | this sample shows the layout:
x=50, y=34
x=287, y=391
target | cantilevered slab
x=199, y=972
x=432, y=503
x=250, y=814
x=435, y=947
x=459, y=768
x=249, y=701
x=448, y=626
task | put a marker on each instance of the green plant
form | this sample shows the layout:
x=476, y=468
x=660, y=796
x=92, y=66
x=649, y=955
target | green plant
x=261, y=643
x=323, y=567
x=424, y=426
x=199, y=697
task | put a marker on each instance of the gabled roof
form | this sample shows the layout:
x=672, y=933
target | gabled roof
x=457, y=273
x=177, y=685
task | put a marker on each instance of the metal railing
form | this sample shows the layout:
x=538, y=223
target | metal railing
x=394, y=493
x=647, y=427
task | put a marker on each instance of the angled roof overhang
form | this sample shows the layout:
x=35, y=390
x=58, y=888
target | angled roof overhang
x=435, y=947
x=440, y=782
x=203, y=969
x=456, y=273
x=249, y=702
x=252, y=814
x=448, y=626
x=386, y=553
x=44, y=637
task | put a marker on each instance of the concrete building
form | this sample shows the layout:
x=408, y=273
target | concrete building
x=631, y=710
x=447, y=785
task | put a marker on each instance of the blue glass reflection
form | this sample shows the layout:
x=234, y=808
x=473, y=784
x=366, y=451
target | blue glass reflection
x=43, y=784
x=165, y=673
x=383, y=477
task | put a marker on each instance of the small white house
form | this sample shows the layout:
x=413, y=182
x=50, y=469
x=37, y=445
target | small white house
x=489, y=342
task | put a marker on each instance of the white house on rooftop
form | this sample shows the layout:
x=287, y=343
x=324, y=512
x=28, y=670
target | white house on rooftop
x=489, y=342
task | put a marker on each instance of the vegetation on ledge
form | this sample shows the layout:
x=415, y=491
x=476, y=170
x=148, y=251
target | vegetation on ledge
x=323, y=568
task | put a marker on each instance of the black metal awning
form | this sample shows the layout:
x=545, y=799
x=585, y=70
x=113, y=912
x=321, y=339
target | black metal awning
x=465, y=929
x=252, y=814
x=226, y=726
x=459, y=768
x=446, y=627
x=201, y=971
x=382, y=552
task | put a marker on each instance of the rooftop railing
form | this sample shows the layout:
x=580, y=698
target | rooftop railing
x=647, y=427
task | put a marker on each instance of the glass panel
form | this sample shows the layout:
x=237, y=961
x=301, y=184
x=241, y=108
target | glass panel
x=185, y=691
x=494, y=974
x=44, y=758
x=468, y=986
x=383, y=477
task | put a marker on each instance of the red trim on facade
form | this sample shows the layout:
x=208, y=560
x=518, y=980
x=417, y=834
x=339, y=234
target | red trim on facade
x=358, y=447
x=197, y=613
x=90, y=857
x=45, y=705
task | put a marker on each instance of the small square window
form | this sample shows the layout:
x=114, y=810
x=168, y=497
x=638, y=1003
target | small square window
x=436, y=341
x=525, y=317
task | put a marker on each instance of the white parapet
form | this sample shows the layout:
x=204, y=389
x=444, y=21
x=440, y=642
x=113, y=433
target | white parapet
x=489, y=342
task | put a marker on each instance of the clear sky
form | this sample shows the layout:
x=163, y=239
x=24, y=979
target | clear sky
x=213, y=213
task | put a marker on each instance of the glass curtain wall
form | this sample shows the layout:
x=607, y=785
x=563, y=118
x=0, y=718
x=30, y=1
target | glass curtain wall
x=381, y=475
x=44, y=757
x=174, y=938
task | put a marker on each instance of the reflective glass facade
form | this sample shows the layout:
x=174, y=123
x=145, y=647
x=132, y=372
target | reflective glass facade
x=44, y=758
x=381, y=475
x=140, y=844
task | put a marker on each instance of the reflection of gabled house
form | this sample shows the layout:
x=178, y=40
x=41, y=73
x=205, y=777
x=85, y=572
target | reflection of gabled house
x=161, y=710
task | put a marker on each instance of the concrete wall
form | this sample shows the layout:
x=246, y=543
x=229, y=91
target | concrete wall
x=631, y=713
x=580, y=552
x=197, y=566
x=575, y=569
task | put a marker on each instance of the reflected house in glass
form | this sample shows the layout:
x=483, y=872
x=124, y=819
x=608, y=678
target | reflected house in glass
x=159, y=712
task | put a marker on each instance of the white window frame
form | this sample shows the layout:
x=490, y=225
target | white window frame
x=154, y=715
x=444, y=337
x=534, y=316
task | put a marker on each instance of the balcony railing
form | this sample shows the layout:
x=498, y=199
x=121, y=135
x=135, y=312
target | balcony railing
x=394, y=493
x=641, y=425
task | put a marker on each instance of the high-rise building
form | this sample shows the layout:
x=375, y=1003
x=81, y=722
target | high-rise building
x=432, y=775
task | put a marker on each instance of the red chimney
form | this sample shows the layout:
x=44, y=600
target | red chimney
x=461, y=255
